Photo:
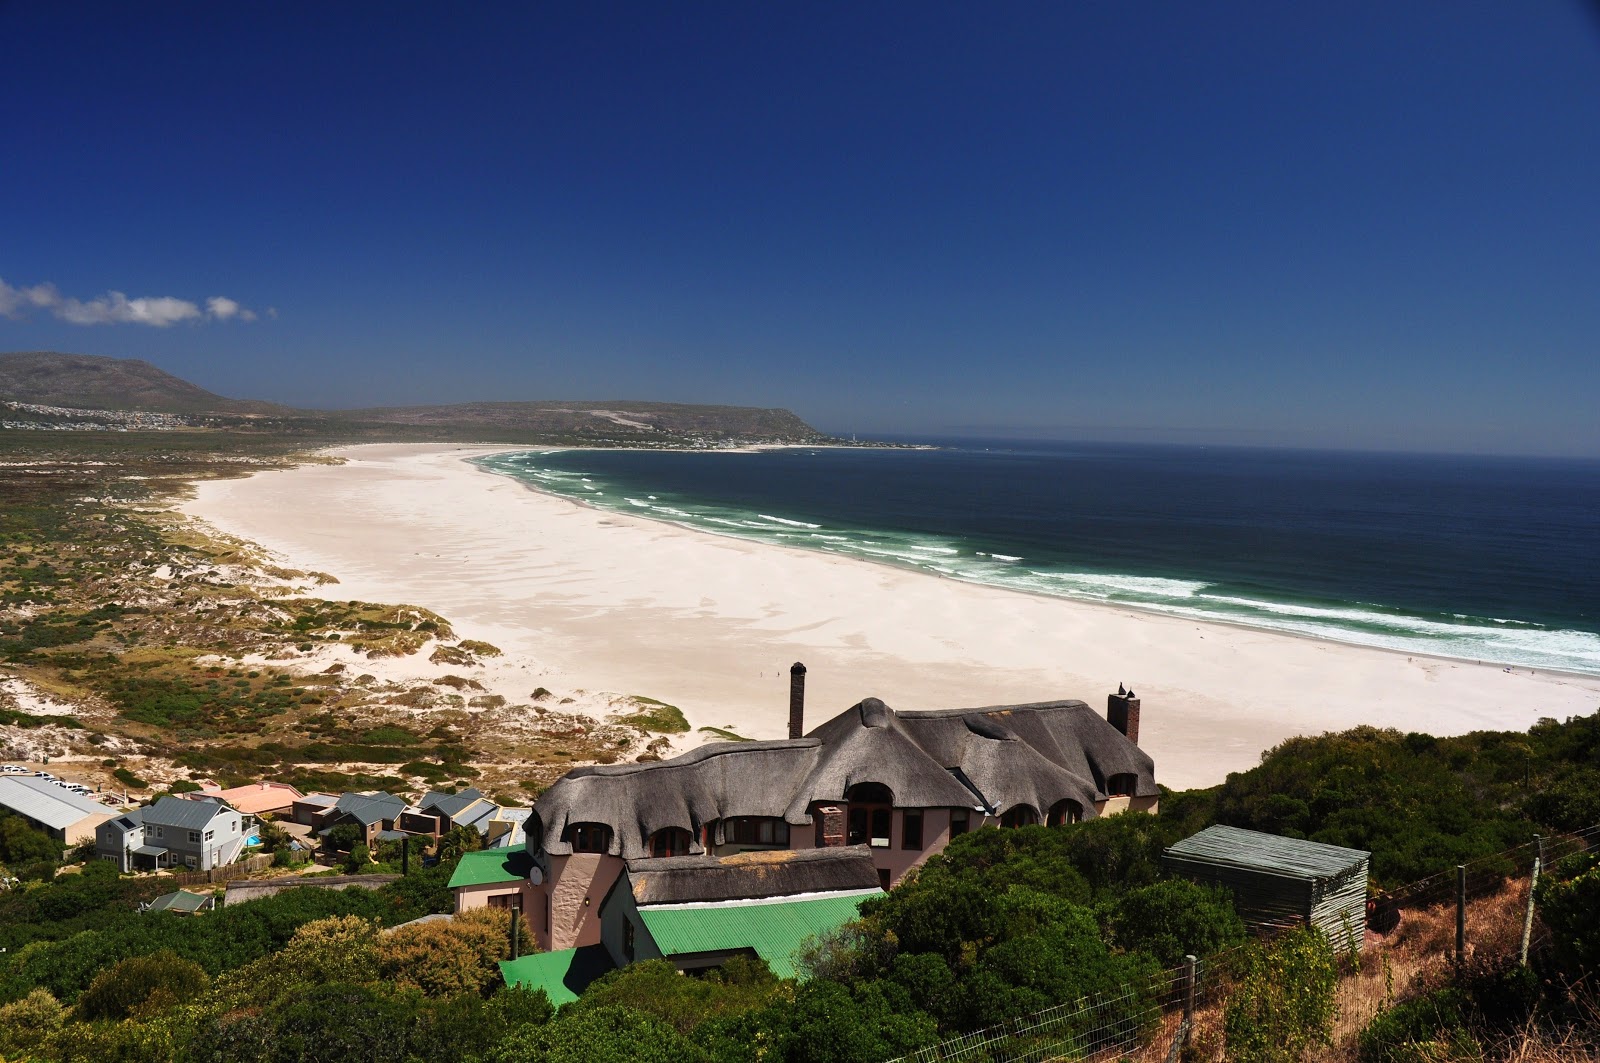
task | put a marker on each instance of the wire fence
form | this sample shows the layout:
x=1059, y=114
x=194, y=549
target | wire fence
x=1482, y=908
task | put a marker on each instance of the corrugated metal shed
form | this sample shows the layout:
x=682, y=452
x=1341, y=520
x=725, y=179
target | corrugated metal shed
x=774, y=929
x=43, y=801
x=1279, y=881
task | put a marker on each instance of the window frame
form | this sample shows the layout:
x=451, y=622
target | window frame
x=592, y=838
x=963, y=816
x=911, y=837
x=748, y=830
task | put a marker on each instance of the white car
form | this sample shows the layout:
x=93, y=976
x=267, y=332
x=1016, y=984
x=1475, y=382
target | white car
x=44, y=775
x=13, y=769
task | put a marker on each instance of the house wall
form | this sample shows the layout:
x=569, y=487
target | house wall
x=619, y=910
x=224, y=847
x=1111, y=806
x=576, y=885
x=469, y=897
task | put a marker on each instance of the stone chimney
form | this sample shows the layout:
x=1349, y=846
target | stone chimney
x=1122, y=712
x=797, y=700
x=830, y=822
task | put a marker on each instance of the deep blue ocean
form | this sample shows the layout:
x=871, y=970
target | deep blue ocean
x=1491, y=559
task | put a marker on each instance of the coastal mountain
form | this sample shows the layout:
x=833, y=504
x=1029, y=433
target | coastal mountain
x=92, y=383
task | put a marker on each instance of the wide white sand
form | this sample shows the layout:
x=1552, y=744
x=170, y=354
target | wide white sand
x=583, y=599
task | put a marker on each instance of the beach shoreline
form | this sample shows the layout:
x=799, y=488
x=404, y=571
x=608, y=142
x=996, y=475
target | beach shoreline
x=586, y=600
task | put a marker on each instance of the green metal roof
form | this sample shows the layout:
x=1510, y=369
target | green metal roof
x=489, y=866
x=774, y=929
x=562, y=975
x=1269, y=853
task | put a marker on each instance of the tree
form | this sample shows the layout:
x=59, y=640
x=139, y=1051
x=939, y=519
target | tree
x=22, y=844
x=157, y=980
x=448, y=956
x=609, y=1034
x=458, y=840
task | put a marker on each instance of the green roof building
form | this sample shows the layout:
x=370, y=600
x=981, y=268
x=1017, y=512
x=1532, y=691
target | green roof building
x=699, y=912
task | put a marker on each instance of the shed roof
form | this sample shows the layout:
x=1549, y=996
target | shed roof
x=450, y=804
x=775, y=930
x=1267, y=853
x=261, y=796
x=757, y=874
x=562, y=975
x=181, y=901
x=489, y=866
x=44, y=802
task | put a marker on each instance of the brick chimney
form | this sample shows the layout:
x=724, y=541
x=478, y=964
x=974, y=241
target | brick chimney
x=797, y=700
x=830, y=826
x=1122, y=712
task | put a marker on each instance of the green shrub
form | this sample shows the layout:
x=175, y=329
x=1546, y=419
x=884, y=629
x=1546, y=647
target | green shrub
x=1174, y=918
x=1284, y=1000
x=159, y=979
x=129, y=779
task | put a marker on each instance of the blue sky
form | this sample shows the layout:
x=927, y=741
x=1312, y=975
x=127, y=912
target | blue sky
x=1366, y=225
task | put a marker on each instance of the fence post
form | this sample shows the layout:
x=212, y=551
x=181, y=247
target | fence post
x=1191, y=973
x=1533, y=883
x=1461, y=912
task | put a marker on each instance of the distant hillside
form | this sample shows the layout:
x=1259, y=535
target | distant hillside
x=86, y=381
x=609, y=418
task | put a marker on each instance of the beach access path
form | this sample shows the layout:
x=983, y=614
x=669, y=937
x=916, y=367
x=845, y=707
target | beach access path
x=586, y=600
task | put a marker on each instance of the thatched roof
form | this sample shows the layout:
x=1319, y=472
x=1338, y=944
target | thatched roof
x=991, y=758
x=770, y=873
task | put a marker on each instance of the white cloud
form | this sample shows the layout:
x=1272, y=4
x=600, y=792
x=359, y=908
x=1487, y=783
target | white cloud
x=222, y=308
x=115, y=308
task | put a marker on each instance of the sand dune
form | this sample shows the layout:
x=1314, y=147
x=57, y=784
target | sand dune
x=604, y=602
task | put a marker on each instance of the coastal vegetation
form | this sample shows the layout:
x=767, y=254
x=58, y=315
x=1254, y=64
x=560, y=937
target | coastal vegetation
x=1001, y=924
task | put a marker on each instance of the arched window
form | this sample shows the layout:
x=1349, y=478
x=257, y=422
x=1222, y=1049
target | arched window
x=1122, y=785
x=1065, y=811
x=1019, y=816
x=871, y=812
x=670, y=841
x=589, y=837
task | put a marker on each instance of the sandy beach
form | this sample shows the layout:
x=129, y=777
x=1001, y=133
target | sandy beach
x=586, y=601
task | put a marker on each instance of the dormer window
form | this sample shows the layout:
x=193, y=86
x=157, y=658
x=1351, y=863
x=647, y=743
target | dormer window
x=1122, y=785
x=589, y=837
x=1019, y=816
x=670, y=841
x=1065, y=811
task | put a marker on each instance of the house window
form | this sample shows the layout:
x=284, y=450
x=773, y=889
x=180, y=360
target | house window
x=627, y=937
x=1122, y=785
x=191, y=861
x=883, y=879
x=547, y=913
x=670, y=841
x=911, y=829
x=194, y=836
x=589, y=837
x=958, y=821
x=502, y=900
x=210, y=834
x=158, y=832
x=1065, y=811
x=757, y=830
x=1019, y=816
x=870, y=814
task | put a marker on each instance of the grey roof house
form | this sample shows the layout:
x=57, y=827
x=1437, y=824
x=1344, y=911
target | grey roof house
x=199, y=835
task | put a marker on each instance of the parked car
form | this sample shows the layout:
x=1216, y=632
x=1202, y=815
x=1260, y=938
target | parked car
x=44, y=775
x=13, y=769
